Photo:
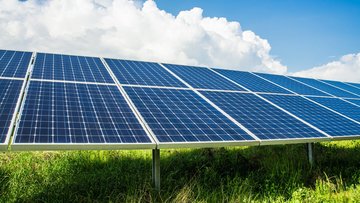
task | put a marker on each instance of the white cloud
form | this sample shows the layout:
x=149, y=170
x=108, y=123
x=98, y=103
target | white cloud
x=345, y=69
x=132, y=30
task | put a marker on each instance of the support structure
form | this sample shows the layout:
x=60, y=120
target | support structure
x=310, y=153
x=156, y=168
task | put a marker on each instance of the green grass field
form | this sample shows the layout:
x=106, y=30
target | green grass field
x=242, y=174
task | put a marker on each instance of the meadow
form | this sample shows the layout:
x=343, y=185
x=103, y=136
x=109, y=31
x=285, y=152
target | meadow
x=236, y=174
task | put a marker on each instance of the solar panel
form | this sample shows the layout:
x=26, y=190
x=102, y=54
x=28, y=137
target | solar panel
x=252, y=82
x=70, y=68
x=142, y=73
x=340, y=106
x=9, y=95
x=292, y=85
x=344, y=86
x=72, y=102
x=263, y=119
x=14, y=63
x=326, y=88
x=203, y=78
x=73, y=113
x=354, y=101
x=181, y=116
x=357, y=85
x=320, y=117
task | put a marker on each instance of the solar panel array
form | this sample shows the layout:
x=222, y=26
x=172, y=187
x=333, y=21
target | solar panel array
x=77, y=102
x=182, y=116
x=13, y=69
x=263, y=119
x=72, y=102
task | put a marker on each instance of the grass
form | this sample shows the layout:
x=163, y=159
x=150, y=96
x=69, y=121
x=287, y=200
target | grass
x=243, y=174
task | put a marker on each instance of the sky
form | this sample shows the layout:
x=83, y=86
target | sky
x=305, y=38
x=302, y=34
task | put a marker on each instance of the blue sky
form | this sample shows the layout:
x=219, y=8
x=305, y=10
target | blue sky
x=307, y=38
x=302, y=34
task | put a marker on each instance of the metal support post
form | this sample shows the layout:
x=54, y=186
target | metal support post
x=310, y=153
x=156, y=168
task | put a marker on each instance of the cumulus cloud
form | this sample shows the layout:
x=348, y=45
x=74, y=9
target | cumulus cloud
x=132, y=30
x=347, y=68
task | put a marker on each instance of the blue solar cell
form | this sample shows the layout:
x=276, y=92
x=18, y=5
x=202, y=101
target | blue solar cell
x=9, y=95
x=263, y=119
x=204, y=78
x=252, y=82
x=70, y=68
x=325, y=87
x=14, y=63
x=292, y=85
x=354, y=101
x=142, y=73
x=57, y=112
x=357, y=85
x=318, y=116
x=183, y=116
x=344, y=86
x=340, y=106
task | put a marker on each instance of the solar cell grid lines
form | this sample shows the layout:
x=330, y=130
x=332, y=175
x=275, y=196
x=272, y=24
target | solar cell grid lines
x=292, y=85
x=320, y=117
x=64, y=102
x=344, y=86
x=203, y=78
x=325, y=87
x=266, y=121
x=14, y=63
x=181, y=116
x=74, y=100
x=70, y=68
x=354, y=101
x=9, y=94
x=252, y=82
x=340, y=106
x=142, y=73
x=357, y=85
x=56, y=112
